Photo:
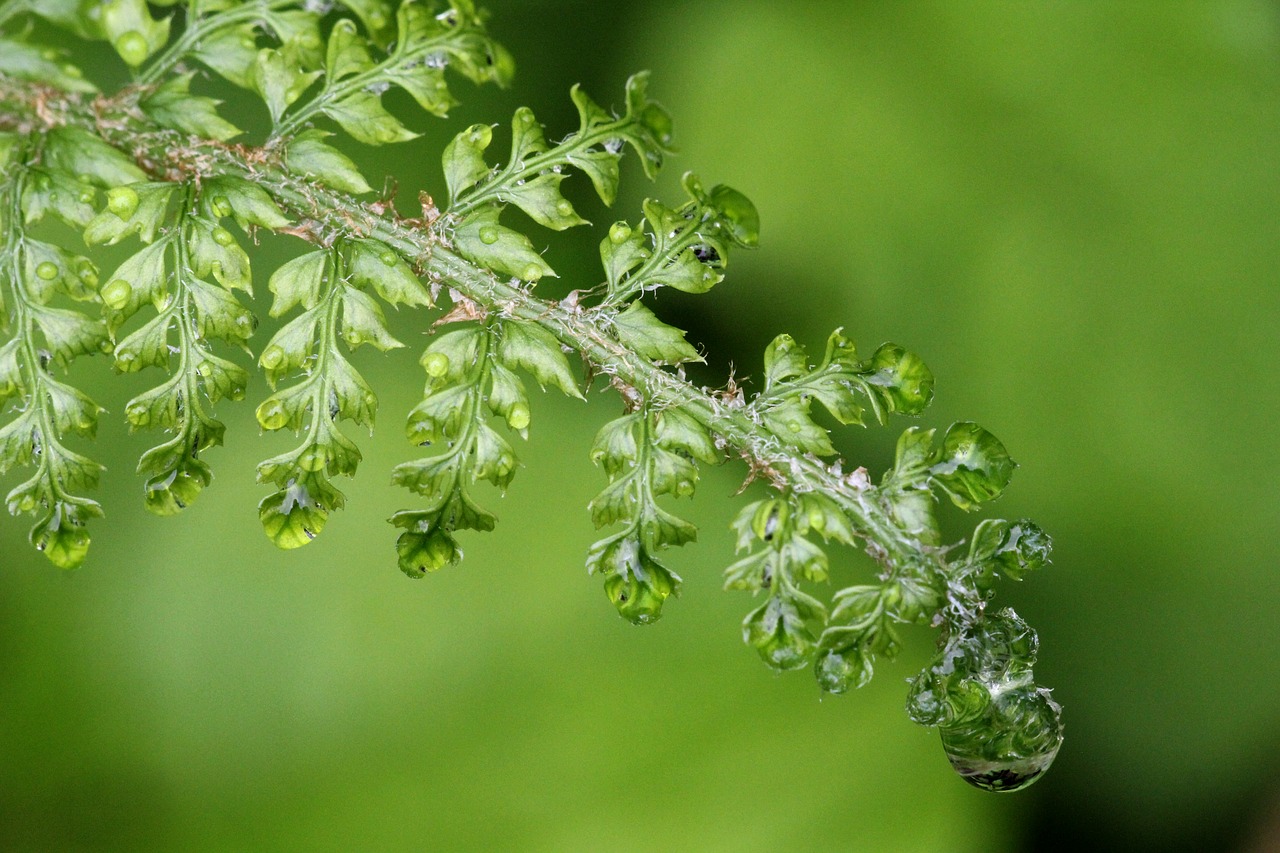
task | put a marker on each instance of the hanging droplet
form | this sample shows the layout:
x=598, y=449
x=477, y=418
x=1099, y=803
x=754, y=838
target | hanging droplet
x=436, y=364
x=272, y=415
x=122, y=201
x=272, y=357
x=132, y=47
x=222, y=236
x=115, y=295
x=488, y=235
x=1006, y=760
x=313, y=459
x=564, y=208
x=619, y=233
x=533, y=272
x=518, y=416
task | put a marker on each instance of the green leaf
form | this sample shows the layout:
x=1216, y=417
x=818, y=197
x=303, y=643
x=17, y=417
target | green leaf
x=481, y=239
x=347, y=54
x=213, y=251
x=280, y=80
x=376, y=265
x=902, y=381
x=364, y=323
x=128, y=25
x=298, y=282
x=615, y=445
x=172, y=105
x=40, y=64
x=541, y=199
x=91, y=160
x=464, y=163
x=784, y=359
x=48, y=191
x=249, y=203
x=531, y=347
x=653, y=134
x=1013, y=548
x=621, y=252
x=677, y=430
x=232, y=52
x=790, y=421
x=363, y=116
x=778, y=631
x=134, y=209
x=640, y=330
x=309, y=156
x=975, y=467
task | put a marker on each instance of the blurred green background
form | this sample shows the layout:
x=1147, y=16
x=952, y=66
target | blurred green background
x=1070, y=210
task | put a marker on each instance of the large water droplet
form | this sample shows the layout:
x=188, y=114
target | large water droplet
x=995, y=762
x=122, y=201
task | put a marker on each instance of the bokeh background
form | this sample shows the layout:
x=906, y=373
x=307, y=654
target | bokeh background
x=1069, y=209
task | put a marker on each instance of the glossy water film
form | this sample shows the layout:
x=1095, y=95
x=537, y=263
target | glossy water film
x=999, y=730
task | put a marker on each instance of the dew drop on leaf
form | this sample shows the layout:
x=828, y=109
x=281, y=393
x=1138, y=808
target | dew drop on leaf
x=115, y=295
x=132, y=47
x=47, y=270
x=272, y=357
x=488, y=235
x=518, y=416
x=122, y=201
x=619, y=233
x=436, y=364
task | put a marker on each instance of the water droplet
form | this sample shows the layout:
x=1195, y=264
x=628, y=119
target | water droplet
x=138, y=414
x=88, y=274
x=122, y=201
x=684, y=488
x=518, y=416
x=221, y=207
x=564, y=208
x=132, y=47
x=222, y=236
x=272, y=358
x=488, y=235
x=115, y=295
x=272, y=415
x=533, y=272
x=388, y=258
x=436, y=364
x=313, y=459
x=47, y=270
x=1002, y=773
x=619, y=233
